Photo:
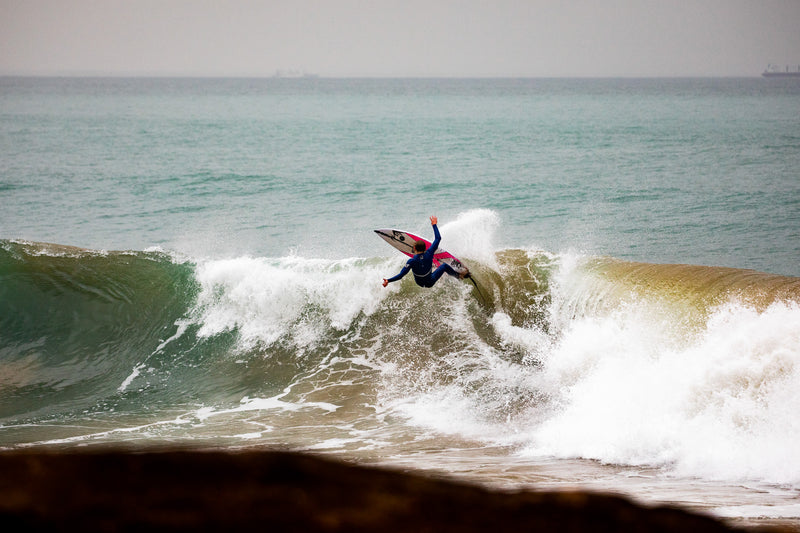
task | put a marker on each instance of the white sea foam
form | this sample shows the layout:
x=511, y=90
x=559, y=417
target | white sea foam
x=133, y=375
x=760, y=511
x=265, y=299
x=721, y=405
x=262, y=404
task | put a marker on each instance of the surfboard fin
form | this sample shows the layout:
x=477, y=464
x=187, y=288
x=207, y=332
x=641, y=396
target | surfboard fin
x=469, y=277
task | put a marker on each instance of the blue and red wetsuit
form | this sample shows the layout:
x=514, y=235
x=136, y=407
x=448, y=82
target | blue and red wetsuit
x=422, y=265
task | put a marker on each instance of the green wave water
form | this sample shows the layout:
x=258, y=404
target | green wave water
x=75, y=322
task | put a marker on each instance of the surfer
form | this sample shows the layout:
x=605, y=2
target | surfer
x=421, y=264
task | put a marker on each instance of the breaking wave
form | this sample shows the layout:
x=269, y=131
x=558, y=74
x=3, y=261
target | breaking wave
x=694, y=369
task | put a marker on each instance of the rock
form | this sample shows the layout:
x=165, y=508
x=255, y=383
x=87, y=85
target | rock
x=179, y=490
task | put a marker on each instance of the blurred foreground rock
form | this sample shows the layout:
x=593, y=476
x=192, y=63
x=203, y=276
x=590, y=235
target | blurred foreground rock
x=277, y=491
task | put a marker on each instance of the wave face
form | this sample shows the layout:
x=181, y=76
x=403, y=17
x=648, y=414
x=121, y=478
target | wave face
x=74, y=322
x=693, y=369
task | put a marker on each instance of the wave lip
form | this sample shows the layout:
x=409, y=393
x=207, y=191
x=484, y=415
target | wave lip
x=701, y=285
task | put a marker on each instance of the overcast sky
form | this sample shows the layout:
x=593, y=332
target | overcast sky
x=399, y=38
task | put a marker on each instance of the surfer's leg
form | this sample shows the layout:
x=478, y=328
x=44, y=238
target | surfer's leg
x=444, y=268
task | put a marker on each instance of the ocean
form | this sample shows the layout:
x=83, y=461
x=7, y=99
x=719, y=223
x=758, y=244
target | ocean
x=192, y=262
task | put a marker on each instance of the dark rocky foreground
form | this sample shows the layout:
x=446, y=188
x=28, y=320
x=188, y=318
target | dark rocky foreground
x=277, y=491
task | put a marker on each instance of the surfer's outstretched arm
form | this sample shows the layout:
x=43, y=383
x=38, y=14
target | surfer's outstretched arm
x=437, y=237
x=402, y=273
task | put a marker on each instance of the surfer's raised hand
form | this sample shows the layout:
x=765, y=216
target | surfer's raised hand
x=434, y=221
x=385, y=282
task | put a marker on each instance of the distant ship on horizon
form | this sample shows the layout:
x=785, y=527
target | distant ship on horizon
x=293, y=73
x=774, y=71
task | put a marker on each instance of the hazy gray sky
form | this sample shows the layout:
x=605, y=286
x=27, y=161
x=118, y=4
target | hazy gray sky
x=399, y=38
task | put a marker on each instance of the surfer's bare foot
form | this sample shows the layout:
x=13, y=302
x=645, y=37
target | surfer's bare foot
x=464, y=274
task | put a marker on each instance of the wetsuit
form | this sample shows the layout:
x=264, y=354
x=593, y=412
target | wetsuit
x=422, y=265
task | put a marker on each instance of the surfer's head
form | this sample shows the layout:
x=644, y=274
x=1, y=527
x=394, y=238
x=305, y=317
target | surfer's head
x=419, y=247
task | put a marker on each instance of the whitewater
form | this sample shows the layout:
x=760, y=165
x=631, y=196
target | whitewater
x=192, y=263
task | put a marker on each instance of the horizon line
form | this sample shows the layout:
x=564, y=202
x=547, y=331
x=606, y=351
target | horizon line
x=370, y=77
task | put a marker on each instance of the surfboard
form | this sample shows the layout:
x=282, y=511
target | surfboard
x=404, y=241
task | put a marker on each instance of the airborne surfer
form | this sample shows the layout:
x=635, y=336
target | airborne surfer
x=421, y=264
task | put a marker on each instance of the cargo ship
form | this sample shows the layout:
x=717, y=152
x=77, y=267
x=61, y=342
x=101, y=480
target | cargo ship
x=774, y=71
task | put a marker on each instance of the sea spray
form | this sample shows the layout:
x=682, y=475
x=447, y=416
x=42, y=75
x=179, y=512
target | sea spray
x=472, y=235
